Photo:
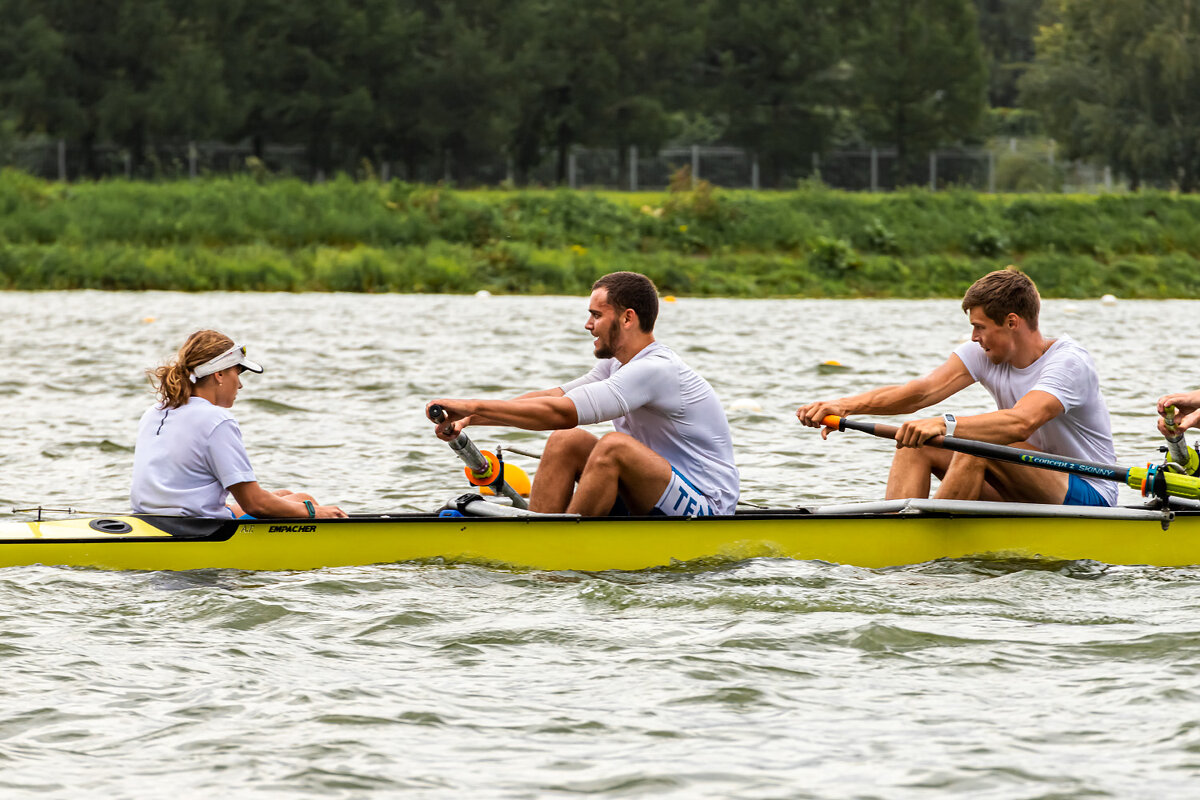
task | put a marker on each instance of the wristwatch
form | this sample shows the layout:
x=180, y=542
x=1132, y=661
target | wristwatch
x=951, y=423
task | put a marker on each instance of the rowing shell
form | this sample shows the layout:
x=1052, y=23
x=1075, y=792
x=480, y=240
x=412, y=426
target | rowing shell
x=877, y=534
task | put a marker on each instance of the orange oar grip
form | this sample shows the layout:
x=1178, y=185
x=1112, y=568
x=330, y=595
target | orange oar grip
x=487, y=476
x=832, y=421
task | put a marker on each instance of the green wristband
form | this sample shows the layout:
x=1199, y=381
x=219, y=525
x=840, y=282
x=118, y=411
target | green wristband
x=312, y=512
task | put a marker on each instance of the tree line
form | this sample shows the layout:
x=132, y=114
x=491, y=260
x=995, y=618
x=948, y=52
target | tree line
x=456, y=83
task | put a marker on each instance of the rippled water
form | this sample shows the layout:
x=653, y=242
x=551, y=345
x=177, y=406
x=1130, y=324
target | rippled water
x=765, y=678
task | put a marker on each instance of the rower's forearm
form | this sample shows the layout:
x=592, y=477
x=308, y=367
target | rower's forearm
x=901, y=399
x=997, y=427
x=543, y=413
x=555, y=392
x=262, y=503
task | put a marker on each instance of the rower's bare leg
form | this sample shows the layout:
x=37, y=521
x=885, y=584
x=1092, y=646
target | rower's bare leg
x=972, y=478
x=620, y=463
x=912, y=468
x=562, y=463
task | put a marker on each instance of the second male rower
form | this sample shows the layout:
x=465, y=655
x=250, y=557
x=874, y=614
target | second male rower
x=1046, y=391
x=672, y=452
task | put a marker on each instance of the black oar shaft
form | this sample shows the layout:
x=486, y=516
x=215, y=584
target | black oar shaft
x=1148, y=480
x=997, y=452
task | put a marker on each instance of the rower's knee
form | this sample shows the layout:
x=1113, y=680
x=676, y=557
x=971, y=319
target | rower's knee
x=573, y=445
x=961, y=463
x=911, y=458
x=611, y=446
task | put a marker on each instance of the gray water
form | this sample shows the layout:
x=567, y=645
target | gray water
x=760, y=679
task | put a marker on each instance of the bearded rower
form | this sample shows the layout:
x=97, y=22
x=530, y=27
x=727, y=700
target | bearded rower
x=672, y=452
x=1046, y=390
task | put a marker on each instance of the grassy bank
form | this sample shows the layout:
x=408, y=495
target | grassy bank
x=344, y=236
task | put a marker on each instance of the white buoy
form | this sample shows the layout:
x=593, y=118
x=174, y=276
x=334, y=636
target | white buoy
x=745, y=404
x=483, y=293
x=1108, y=300
x=1070, y=309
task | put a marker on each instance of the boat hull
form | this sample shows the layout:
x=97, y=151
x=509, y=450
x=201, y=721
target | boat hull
x=561, y=543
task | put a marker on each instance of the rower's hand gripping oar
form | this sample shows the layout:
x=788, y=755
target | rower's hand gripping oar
x=483, y=468
x=1149, y=480
x=1183, y=458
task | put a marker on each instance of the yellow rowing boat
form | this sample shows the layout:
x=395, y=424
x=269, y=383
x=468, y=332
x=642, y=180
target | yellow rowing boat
x=866, y=534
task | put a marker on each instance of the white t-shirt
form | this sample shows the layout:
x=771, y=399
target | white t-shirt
x=186, y=459
x=1066, y=371
x=658, y=400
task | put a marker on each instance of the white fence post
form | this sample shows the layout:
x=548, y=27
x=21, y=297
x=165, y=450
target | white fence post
x=874, y=170
x=62, y=160
x=571, y=170
x=754, y=173
x=633, y=176
x=991, y=172
x=933, y=170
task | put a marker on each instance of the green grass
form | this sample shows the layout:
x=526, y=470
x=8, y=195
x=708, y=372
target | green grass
x=284, y=235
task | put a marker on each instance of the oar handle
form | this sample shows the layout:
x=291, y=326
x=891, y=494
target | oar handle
x=1177, y=447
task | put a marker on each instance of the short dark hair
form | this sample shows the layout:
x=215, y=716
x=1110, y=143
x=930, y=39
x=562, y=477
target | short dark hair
x=634, y=291
x=1003, y=292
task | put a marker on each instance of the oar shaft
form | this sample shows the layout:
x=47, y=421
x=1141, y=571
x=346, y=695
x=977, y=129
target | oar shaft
x=1178, y=485
x=470, y=455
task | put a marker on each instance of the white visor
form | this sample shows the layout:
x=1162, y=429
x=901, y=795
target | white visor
x=233, y=357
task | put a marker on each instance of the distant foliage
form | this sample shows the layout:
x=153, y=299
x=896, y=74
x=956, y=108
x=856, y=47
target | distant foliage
x=461, y=88
x=286, y=235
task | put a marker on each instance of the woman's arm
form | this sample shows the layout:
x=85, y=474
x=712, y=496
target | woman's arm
x=258, y=502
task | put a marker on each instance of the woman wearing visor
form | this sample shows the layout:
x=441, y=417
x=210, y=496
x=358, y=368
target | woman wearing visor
x=189, y=456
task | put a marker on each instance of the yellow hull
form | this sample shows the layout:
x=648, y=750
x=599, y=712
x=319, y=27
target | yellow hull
x=868, y=540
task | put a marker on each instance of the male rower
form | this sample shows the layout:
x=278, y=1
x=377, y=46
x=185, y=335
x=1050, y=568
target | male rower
x=1046, y=391
x=672, y=452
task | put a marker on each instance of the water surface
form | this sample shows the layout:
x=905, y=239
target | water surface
x=763, y=678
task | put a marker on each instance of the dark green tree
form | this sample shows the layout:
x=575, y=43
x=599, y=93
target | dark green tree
x=466, y=104
x=920, y=78
x=129, y=71
x=1119, y=80
x=1006, y=29
x=776, y=72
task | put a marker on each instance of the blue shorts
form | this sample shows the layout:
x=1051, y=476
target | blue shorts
x=1082, y=493
x=243, y=516
x=682, y=499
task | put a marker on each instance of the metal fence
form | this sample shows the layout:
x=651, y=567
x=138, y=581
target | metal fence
x=1012, y=165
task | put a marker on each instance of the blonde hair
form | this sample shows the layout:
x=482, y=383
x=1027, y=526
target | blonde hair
x=172, y=381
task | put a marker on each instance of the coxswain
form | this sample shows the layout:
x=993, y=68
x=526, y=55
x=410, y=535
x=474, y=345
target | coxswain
x=189, y=456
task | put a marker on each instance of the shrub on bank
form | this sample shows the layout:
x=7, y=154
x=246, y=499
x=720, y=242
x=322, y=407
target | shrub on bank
x=239, y=233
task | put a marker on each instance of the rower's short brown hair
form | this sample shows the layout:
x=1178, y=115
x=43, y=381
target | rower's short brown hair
x=635, y=291
x=1003, y=292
